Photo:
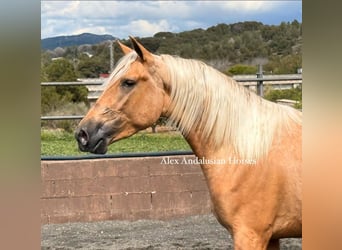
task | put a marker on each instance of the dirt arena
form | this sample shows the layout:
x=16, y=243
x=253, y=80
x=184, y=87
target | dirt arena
x=194, y=232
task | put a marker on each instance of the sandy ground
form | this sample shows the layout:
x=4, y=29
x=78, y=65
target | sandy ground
x=195, y=232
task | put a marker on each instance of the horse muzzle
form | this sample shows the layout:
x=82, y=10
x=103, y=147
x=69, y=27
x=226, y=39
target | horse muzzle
x=94, y=138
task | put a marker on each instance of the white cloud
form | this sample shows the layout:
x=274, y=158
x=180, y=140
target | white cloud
x=95, y=30
x=250, y=6
x=146, y=28
x=118, y=18
x=51, y=9
x=145, y=18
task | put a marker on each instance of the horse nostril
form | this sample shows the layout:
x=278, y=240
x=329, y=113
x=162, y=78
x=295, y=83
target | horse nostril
x=83, y=137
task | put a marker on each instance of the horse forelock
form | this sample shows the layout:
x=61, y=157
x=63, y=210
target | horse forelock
x=121, y=67
x=226, y=113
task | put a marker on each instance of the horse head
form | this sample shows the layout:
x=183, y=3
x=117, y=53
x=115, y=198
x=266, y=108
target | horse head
x=133, y=100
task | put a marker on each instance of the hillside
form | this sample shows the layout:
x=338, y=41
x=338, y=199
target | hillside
x=66, y=41
x=227, y=44
x=277, y=47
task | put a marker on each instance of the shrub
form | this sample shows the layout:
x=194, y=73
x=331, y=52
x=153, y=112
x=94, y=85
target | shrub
x=241, y=69
x=291, y=94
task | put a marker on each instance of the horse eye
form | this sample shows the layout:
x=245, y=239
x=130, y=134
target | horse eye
x=128, y=83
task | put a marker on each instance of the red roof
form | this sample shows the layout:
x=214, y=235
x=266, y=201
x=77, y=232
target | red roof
x=104, y=75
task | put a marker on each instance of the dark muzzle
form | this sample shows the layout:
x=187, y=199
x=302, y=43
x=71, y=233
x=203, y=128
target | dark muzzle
x=92, y=139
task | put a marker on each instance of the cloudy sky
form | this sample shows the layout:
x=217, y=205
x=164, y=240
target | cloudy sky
x=145, y=18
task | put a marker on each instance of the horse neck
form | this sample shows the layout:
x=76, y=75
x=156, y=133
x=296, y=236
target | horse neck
x=230, y=117
x=199, y=147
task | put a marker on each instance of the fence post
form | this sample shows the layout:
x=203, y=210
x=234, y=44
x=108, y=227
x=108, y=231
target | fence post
x=111, y=52
x=260, y=86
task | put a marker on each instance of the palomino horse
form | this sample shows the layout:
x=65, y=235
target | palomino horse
x=251, y=147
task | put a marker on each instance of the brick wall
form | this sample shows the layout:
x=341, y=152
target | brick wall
x=122, y=189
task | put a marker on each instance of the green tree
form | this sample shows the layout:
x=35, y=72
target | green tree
x=92, y=67
x=241, y=69
x=60, y=70
x=52, y=97
x=284, y=64
x=291, y=94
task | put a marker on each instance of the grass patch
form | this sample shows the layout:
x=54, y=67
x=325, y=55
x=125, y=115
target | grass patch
x=61, y=143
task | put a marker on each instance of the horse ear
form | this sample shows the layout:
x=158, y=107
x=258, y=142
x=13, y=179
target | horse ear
x=124, y=48
x=143, y=53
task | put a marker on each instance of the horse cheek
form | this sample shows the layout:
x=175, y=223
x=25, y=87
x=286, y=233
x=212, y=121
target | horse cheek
x=150, y=112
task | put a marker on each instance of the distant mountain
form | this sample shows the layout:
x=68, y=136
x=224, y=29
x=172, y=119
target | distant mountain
x=75, y=40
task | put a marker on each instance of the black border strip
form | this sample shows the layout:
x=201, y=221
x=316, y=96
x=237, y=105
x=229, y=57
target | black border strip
x=119, y=155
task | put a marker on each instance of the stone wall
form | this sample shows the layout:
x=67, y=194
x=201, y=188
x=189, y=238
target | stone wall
x=122, y=189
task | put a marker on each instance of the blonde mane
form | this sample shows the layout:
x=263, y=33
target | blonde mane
x=226, y=113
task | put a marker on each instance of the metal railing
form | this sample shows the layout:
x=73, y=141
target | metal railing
x=269, y=78
x=117, y=155
x=68, y=117
x=71, y=83
x=259, y=79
